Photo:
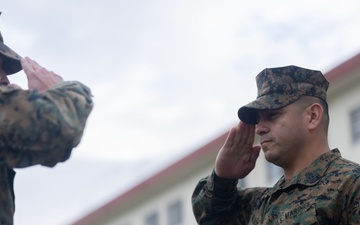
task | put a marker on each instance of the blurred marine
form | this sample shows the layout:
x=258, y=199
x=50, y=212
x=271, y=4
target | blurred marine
x=40, y=125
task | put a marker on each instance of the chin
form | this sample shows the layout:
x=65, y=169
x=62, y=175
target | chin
x=270, y=156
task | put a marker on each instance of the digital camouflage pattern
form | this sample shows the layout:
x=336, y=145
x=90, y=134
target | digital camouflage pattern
x=38, y=128
x=325, y=193
x=11, y=62
x=278, y=87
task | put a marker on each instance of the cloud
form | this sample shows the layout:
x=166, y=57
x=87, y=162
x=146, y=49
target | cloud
x=154, y=66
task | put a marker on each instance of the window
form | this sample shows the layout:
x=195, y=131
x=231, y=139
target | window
x=152, y=219
x=355, y=124
x=175, y=213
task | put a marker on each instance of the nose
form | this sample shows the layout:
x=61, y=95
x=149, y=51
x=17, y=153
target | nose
x=261, y=128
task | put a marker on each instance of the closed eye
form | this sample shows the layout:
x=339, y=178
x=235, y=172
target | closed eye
x=272, y=115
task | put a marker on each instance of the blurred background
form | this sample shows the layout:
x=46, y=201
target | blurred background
x=167, y=77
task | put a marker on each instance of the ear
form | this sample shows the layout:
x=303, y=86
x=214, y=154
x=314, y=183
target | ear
x=315, y=114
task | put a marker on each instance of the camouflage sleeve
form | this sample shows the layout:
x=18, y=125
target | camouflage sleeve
x=42, y=128
x=215, y=201
x=352, y=208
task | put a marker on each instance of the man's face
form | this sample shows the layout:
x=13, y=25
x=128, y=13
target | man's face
x=282, y=134
x=3, y=77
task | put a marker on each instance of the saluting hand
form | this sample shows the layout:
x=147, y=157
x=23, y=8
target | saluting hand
x=38, y=77
x=237, y=158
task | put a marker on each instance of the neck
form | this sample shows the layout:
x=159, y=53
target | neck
x=308, y=156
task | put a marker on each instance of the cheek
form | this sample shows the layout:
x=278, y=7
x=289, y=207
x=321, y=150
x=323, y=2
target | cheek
x=287, y=132
x=293, y=135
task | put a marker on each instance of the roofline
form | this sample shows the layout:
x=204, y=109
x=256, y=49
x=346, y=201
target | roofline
x=153, y=180
x=344, y=69
x=339, y=72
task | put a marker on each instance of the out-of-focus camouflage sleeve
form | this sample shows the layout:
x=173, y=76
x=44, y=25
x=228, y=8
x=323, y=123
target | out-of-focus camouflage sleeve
x=214, y=201
x=353, y=204
x=42, y=128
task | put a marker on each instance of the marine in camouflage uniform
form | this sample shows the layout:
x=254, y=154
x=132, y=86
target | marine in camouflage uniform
x=36, y=126
x=326, y=190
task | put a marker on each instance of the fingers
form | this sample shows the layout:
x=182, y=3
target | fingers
x=230, y=138
x=245, y=134
x=27, y=64
x=250, y=134
x=39, y=78
x=240, y=137
x=237, y=158
x=31, y=68
x=255, y=152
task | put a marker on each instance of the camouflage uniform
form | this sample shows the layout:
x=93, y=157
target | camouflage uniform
x=327, y=192
x=36, y=128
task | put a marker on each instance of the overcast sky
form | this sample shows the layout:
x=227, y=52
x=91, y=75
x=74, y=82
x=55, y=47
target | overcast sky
x=167, y=77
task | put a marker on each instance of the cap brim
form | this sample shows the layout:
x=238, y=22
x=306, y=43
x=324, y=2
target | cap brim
x=11, y=63
x=249, y=113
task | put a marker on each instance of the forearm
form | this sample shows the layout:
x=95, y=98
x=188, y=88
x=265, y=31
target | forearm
x=42, y=128
x=214, y=201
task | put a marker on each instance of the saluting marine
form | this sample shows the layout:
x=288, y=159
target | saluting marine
x=291, y=117
x=40, y=125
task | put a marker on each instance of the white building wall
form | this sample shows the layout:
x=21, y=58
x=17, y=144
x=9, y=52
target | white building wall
x=340, y=135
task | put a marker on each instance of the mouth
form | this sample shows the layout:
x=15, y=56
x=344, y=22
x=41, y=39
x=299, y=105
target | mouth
x=264, y=142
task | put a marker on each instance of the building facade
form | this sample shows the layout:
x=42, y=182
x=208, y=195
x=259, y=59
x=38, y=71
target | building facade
x=165, y=198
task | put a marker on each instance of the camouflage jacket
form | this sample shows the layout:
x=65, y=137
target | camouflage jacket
x=327, y=192
x=38, y=128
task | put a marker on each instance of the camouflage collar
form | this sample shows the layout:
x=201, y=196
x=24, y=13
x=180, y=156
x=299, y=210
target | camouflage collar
x=312, y=174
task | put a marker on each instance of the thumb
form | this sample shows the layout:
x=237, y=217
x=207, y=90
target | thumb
x=255, y=154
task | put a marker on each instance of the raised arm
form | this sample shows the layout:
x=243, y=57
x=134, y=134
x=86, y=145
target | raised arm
x=216, y=199
x=43, y=124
